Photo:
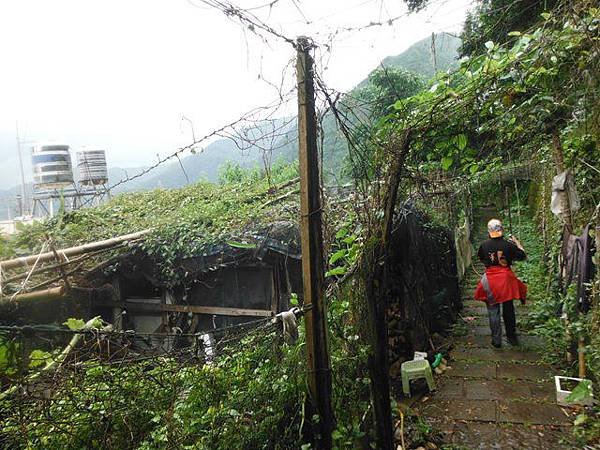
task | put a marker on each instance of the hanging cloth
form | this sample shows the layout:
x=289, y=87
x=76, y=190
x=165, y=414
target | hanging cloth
x=577, y=265
x=563, y=189
x=290, y=325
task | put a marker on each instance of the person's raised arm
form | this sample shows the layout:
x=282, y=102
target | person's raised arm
x=518, y=252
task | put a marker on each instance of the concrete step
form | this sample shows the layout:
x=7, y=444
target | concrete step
x=494, y=354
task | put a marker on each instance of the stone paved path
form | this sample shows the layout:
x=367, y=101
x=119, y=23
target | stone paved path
x=495, y=398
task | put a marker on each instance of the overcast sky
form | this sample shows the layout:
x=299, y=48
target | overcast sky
x=119, y=74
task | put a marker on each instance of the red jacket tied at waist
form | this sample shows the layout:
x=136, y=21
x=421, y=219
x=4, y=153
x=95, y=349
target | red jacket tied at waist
x=504, y=285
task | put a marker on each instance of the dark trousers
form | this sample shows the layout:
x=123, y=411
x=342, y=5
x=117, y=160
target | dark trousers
x=510, y=322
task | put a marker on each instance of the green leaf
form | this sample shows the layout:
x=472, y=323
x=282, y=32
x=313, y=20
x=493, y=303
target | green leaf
x=349, y=240
x=461, y=141
x=336, y=271
x=240, y=244
x=580, y=420
x=581, y=392
x=514, y=33
x=447, y=162
x=342, y=232
x=489, y=45
x=337, y=256
x=38, y=357
x=399, y=104
x=74, y=324
x=336, y=435
x=546, y=15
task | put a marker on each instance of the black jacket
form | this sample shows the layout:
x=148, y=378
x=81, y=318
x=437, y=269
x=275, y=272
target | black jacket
x=499, y=252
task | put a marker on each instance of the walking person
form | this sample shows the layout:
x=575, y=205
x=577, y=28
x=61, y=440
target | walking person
x=499, y=286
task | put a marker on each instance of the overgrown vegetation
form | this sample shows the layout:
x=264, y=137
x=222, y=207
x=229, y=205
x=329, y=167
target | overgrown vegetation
x=470, y=129
x=183, y=221
x=511, y=107
x=255, y=386
x=498, y=20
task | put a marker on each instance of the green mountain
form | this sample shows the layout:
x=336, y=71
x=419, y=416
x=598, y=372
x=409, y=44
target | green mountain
x=419, y=57
x=280, y=135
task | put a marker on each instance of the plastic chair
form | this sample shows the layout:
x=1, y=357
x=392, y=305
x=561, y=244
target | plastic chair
x=413, y=370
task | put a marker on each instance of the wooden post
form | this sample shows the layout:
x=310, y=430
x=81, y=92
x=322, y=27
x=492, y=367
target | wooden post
x=315, y=318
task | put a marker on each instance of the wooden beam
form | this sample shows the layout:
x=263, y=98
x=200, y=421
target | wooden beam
x=147, y=306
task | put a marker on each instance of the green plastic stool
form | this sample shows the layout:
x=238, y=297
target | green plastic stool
x=413, y=370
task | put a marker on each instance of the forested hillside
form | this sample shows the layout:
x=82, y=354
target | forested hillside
x=425, y=57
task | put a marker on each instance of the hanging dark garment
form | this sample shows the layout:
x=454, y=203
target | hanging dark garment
x=577, y=265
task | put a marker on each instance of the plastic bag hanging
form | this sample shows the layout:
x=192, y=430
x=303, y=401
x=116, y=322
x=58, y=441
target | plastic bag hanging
x=563, y=189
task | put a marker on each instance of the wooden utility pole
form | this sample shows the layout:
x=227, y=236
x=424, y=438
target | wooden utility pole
x=312, y=248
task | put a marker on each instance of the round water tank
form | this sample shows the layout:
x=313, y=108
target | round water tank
x=51, y=166
x=91, y=167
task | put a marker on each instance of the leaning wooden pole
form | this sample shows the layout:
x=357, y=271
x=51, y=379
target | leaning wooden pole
x=312, y=248
x=377, y=297
x=71, y=251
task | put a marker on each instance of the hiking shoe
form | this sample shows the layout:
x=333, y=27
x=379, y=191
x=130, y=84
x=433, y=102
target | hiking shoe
x=497, y=345
x=513, y=340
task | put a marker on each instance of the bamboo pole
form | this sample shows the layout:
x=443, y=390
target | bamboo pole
x=54, y=266
x=71, y=251
x=581, y=356
x=50, y=294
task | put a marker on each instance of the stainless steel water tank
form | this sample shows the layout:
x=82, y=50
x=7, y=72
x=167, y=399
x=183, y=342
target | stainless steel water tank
x=51, y=166
x=91, y=167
